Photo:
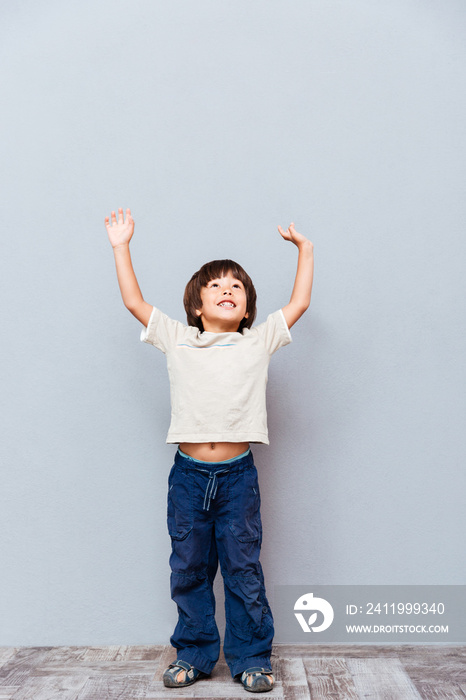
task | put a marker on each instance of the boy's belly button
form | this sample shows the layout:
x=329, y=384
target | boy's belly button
x=213, y=451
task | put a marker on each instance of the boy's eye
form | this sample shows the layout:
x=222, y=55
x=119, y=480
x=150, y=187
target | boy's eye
x=216, y=284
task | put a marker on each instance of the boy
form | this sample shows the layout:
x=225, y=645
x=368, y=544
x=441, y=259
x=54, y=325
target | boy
x=218, y=367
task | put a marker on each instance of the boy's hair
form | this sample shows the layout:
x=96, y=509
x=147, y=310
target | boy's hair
x=211, y=271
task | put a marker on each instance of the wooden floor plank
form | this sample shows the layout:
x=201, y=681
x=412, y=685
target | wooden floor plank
x=208, y=688
x=447, y=667
x=382, y=679
x=141, y=652
x=6, y=692
x=47, y=687
x=65, y=655
x=329, y=679
x=17, y=670
x=374, y=650
x=166, y=657
x=290, y=673
x=445, y=691
x=6, y=653
x=108, y=687
x=96, y=668
x=102, y=653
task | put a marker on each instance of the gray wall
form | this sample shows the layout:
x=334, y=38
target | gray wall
x=215, y=122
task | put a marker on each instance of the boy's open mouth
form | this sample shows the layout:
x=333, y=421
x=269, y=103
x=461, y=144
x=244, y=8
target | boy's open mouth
x=227, y=303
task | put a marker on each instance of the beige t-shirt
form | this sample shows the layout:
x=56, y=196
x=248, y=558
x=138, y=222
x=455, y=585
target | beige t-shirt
x=217, y=380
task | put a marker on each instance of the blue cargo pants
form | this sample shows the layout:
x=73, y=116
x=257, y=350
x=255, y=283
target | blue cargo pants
x=213, y=515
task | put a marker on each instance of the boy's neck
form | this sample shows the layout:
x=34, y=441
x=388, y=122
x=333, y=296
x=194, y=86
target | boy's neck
x=219, y=328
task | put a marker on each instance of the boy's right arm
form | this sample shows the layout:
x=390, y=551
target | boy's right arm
x=120, y=235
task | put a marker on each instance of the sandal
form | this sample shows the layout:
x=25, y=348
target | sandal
x=191, y=674
x=257, y=679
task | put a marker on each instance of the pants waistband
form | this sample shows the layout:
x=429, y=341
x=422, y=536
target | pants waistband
x=187, y=462
x=213, y=469
x=224, y=461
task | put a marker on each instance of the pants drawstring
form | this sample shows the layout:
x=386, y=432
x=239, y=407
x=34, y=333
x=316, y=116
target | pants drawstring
x=211, y=488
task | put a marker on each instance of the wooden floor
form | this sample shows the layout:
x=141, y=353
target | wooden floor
x=301, y=671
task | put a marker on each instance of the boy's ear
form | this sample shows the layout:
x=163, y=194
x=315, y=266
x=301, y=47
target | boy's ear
x=198, y=312
x=246, y=314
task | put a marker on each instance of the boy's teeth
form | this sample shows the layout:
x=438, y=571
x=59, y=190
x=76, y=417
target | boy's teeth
x=226, y=303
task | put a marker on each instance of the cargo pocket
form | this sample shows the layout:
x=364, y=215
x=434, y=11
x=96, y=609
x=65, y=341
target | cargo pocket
x=267, y=626
x=179, y=504
x=245, y=522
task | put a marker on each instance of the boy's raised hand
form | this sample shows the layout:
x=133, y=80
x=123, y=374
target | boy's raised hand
x=120, y=233
x=292, y=235
x=301, y=294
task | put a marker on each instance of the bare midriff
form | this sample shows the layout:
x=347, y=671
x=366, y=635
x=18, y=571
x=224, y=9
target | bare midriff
x=213, y=451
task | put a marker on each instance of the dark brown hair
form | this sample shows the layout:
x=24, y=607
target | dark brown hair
x=211, y=271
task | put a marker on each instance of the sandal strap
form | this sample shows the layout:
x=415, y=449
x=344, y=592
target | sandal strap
x=182, y=664
x=255, y=671
x=191, y=672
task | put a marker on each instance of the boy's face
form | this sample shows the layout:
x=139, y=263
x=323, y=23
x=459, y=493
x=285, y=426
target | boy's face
x=224, y=304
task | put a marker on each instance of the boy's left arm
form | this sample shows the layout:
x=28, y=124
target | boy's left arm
x=301, y=294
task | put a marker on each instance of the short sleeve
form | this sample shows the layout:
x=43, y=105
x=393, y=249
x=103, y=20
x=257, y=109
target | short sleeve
x=274, y=332
x=162, y=332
